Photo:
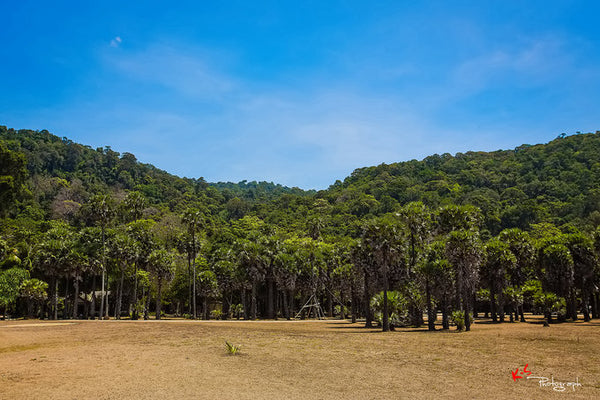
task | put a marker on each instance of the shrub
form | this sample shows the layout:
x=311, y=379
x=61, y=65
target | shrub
x=397, y=308
x=232, y=349
x=458, y=318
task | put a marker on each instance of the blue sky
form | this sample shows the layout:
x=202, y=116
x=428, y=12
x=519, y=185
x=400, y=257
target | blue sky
x=300, y=93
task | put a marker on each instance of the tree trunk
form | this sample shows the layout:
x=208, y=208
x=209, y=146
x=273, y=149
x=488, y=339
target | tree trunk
x=92, y=309
x=135, y=315
x=226, y=306
x=493, y=303
x=120, y=298
x=103, y=275
x=286, y=309
x=445, y=321
x=102, y=295
x=270, y=298
x=189, y=257
x=430, y=309
x=501, y=306
x=194, y=300
x=291, y=301
x=54, y=300
x=245, y=304
x=386, y=316
x=594, y=306
x=146, y=304
x=76, y=297
x=66, y=311
x=467, y=315
x=584, y=306
x=521, y=312
x=253, y=305
x=205, y=313
x=353, y=302
x=573, y=304
x=342, y=313
x=158, y=298
x=367, y=305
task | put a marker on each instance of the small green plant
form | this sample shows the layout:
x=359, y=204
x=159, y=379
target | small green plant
x=237, y=310
x=216, y=314
x=232, y=349
x=458, y=317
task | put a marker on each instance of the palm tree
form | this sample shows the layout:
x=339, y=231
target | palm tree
x=35, y=291
x=416, y=220
x=162, y=266
x=556, y=268
x=100, y=209
x=521, y=245
x=134, y=205
x=464, y=252
x=382, y=238
x=498, y=261
x=51, y=257
x=251, y=258
x=143, y=243
x=437, y=273
x=194, y=220
x=122, y=253
x=584, y=264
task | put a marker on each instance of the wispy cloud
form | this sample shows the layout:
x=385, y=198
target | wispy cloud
x=187, y=71
x=305, y=134
x=536, y=62
x=116, y=41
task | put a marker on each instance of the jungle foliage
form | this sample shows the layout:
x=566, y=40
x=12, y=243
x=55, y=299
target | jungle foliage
x=88, y=233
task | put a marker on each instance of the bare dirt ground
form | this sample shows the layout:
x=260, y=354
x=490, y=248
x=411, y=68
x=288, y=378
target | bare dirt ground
x=179, y=359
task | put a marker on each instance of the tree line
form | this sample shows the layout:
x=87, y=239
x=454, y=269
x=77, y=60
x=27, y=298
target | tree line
x=399, y=266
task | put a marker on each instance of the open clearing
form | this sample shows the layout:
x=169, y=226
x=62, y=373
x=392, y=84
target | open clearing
x=180, y=359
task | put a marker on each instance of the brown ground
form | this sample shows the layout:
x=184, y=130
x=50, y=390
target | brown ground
x=291, y=360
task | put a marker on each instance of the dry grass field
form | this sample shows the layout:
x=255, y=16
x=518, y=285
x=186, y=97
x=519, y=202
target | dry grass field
x=179, y=359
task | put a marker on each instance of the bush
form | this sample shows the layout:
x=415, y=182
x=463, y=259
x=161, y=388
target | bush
x=397, y=308
x=458, y=318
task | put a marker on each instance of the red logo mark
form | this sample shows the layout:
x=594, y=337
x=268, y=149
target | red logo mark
x=515, y=374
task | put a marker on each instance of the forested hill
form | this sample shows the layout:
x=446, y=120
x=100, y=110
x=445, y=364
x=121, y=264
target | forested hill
x=557, y=182
x=70, y=214
x=60, y=170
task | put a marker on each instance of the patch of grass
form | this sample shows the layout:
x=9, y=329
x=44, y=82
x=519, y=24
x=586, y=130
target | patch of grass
x=232, y=349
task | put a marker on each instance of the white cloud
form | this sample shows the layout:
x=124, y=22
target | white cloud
x=116, y=41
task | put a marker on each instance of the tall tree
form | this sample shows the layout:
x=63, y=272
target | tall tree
x=464, y=251
x=100, y=209
x=523, y=248
x=556, y=269
x=194, y=221
x=494, y=271
x=162, y=266
x=383, y=240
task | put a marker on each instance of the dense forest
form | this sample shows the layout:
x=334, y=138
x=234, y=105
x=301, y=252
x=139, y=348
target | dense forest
x=91, y=233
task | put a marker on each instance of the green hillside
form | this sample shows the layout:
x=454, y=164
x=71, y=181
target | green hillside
x=502, y=232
